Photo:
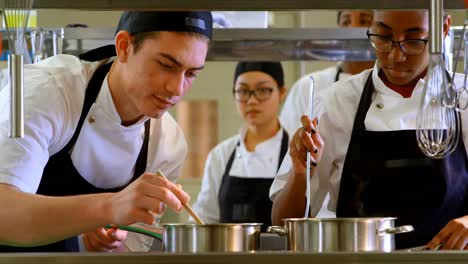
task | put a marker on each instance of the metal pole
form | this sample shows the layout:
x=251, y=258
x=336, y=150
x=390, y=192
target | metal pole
x=15, y=66
x=57, y=42
x=436, y=25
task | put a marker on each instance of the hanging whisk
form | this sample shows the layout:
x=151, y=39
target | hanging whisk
x=438, y=122
x=15, y=16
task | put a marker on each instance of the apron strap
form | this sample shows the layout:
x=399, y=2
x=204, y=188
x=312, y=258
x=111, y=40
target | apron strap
x=90, y=97
x=140, y=166
x=284, y=148
x=98, y=54
x=338, y=72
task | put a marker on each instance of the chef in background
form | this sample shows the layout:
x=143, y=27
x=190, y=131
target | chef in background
x=365, y=150
x=296, y=102
x=239, y=171
x=96, y=131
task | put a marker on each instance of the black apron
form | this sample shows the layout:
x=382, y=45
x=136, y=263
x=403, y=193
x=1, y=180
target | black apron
x=246, y=200
x=60, y=177
x=385, y=174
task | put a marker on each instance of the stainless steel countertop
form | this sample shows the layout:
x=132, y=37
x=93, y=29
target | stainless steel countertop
x=270, y=257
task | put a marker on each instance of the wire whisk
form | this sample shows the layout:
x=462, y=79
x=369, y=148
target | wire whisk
x=438, y=121
x=16, y=16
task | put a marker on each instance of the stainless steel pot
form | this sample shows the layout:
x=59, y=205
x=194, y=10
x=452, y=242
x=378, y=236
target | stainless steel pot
x=340, y=234
x=211, y=238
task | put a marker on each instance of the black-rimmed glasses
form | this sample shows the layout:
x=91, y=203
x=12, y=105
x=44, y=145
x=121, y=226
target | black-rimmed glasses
x=408, y=46
x=261, y=94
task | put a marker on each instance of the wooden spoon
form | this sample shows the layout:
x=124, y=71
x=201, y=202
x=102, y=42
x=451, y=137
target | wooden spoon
x=185, y=205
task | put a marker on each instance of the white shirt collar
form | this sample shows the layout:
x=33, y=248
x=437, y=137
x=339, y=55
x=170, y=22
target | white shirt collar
x=264, y=148
x=107, y=105
x=380, y=86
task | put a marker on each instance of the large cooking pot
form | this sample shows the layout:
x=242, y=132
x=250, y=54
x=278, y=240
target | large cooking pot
x=211, y=237
x=340, y=234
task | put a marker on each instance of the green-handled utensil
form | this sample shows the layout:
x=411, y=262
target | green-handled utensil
x=141, y=230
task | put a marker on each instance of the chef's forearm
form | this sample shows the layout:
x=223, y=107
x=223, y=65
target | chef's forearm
x=29, y=219
x=290, y=201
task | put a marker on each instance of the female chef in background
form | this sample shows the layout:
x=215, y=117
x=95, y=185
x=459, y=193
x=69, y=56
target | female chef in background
x=240, y=170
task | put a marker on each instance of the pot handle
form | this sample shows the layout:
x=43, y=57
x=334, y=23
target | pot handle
x=395, y=230
x=279, y=230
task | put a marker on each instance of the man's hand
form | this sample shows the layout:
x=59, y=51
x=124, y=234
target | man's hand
x=105, y=240
x=139, y=201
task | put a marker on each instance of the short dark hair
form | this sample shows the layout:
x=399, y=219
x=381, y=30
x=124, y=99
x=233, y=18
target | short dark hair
x=338, y=16
x=139, y=38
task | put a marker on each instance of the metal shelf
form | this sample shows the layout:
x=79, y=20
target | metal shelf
x=240, y=4
x=326, y=44
x=293, y=44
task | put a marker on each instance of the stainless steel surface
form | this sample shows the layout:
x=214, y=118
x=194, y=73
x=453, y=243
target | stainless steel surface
x=57, y=42
x=270, y=257
x=295, y=44
x=339, y=234
x=190, y=238
x=435, y=29
x=332, y=44
x=15, y=68
x=52, y=39
x=395, y=230
x=240, y=4
x=37, y=41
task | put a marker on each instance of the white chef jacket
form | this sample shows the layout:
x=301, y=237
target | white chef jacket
x=297, y=101
x=105, y=152
x=260, y=163
x=3, y=78
x=337, y=110
x=298, y=96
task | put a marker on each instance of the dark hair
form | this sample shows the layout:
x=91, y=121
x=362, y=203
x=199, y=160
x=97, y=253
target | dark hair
x=139, y=38
x=338, y=16
x=272, y=68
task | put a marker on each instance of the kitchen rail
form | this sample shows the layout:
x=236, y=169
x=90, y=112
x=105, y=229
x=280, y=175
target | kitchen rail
x=240, y=4
x=271, y=257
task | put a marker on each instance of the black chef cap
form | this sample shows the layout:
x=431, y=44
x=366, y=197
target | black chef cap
x=274, y=69
x=135, y=22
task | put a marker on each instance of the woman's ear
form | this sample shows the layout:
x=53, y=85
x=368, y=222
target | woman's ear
x=122, y=45
x=447, y=23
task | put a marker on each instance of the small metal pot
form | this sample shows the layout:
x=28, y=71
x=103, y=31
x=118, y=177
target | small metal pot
x=191, y=238
x=340, y=234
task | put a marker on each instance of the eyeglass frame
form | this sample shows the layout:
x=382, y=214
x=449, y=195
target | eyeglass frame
x=395, y=42
x=253, y=92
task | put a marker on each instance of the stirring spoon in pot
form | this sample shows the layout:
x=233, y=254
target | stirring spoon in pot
x=185, y=205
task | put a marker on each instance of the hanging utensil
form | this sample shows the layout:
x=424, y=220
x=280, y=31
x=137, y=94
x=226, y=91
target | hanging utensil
x=438, y=122
x=15, y=17
x=37, y=40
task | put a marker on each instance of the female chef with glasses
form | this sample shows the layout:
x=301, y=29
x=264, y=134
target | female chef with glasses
x=240, y=170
